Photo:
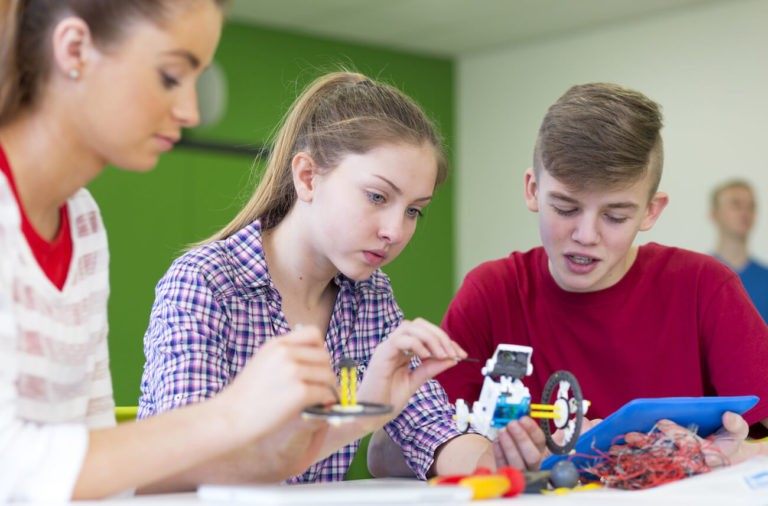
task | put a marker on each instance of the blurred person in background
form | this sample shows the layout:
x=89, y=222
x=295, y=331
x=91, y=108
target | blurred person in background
x=733, y=213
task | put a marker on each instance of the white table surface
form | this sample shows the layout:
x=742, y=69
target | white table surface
x=743, y=484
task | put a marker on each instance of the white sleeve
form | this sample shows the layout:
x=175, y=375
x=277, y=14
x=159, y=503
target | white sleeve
x=37, y=462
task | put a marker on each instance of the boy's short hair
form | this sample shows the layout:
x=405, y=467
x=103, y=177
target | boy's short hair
x=601, y=136
x=727, y=185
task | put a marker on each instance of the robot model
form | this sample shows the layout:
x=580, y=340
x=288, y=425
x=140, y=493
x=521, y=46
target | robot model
x=504, y=398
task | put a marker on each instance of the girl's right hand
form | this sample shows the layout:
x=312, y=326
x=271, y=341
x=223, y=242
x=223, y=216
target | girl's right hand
x=284, y=376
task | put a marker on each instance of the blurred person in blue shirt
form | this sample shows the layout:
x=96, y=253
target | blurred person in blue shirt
x=733, y=213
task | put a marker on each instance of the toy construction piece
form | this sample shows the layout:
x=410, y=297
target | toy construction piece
x=563, y=408
x=505, y=398
x=486, y=484
x=346, y=407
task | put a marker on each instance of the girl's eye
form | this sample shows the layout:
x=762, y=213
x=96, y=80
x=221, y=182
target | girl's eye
x=168, y=80
x=414, y=212
x=564, y=212
x=376, y=198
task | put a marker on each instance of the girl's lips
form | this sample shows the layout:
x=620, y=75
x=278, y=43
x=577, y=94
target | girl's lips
x=374, y=257
x=166, y=143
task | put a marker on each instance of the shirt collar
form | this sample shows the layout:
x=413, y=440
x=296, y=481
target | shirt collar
x=246, y=250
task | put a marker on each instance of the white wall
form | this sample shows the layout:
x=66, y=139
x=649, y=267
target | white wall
x=707, y=67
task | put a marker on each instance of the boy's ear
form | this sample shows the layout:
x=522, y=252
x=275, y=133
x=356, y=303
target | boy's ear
x=531, y=191
x=655, y=207
x=71, y=43
x=303, y=168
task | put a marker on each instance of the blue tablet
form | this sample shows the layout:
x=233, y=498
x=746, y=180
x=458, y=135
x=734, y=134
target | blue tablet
x=640, y=415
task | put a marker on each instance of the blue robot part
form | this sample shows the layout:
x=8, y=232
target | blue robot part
x=507, y=410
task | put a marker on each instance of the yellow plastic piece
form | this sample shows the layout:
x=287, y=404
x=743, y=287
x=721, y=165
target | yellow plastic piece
x=348, y=394
x=544, y=407
x=486, y=486
x=125, y=413
x=578, y=488
x=345, y=386
x=352, y=386
x=539, y=414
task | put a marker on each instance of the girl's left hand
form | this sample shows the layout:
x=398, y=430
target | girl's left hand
x=388, y=378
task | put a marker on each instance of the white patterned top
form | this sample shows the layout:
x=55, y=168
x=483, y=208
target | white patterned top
x=54, y=366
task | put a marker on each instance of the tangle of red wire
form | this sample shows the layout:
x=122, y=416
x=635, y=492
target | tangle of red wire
x=655, y=458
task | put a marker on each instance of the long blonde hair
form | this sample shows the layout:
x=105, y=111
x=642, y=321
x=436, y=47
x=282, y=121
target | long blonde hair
x=338, y=114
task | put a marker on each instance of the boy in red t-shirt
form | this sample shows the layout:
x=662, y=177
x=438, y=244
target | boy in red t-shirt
x=628, y=321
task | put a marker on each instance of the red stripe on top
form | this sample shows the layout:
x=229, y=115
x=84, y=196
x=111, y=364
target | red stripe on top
x=53, y=256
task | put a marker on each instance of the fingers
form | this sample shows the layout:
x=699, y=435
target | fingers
x=667, y=427
x=389, y=378
x=587, y=424
x=735, y=425
x=431, y=344
x=730, y=441
x=286, y=374
x=429, y=369
x=308, y=335
x=520, y=444
x=426, y=340
x=299, y=358
x=302, y=352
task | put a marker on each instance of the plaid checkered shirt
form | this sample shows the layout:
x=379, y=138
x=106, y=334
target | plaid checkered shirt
x=217, y=305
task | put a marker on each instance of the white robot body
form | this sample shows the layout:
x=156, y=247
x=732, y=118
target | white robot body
x=503, y=396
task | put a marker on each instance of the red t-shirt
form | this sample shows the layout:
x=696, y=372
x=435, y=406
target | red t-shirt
x=53, y=256
x=678, y=324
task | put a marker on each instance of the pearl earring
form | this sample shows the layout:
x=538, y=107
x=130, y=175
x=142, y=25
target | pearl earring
x=74, y=74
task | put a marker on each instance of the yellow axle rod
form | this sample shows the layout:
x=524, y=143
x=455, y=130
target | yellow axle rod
x=544, y=407
x=541, y=414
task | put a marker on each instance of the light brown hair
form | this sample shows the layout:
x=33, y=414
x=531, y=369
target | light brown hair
x=339, y=113
x=26, y=27
x=601, y=136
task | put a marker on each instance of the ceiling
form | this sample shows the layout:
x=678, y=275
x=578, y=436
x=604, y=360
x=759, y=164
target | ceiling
x=448, y=28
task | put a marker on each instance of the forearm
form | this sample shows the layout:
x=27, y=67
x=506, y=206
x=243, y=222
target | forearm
x=244, y=466
x=137, y=454
x=462, y=455
x=385, y=457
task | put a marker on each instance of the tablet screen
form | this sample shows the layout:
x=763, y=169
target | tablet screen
x=640, y=415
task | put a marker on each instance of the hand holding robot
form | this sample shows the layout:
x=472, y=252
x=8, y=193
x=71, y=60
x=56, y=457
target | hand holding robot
x=504, y=398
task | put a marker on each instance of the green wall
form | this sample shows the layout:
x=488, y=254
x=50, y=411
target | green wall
x=192, y=193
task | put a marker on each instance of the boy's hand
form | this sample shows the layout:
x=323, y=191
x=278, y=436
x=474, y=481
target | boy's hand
x=521, y=444
x=730, y=440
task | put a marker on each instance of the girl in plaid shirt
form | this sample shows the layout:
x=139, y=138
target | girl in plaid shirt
x=353, y=167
